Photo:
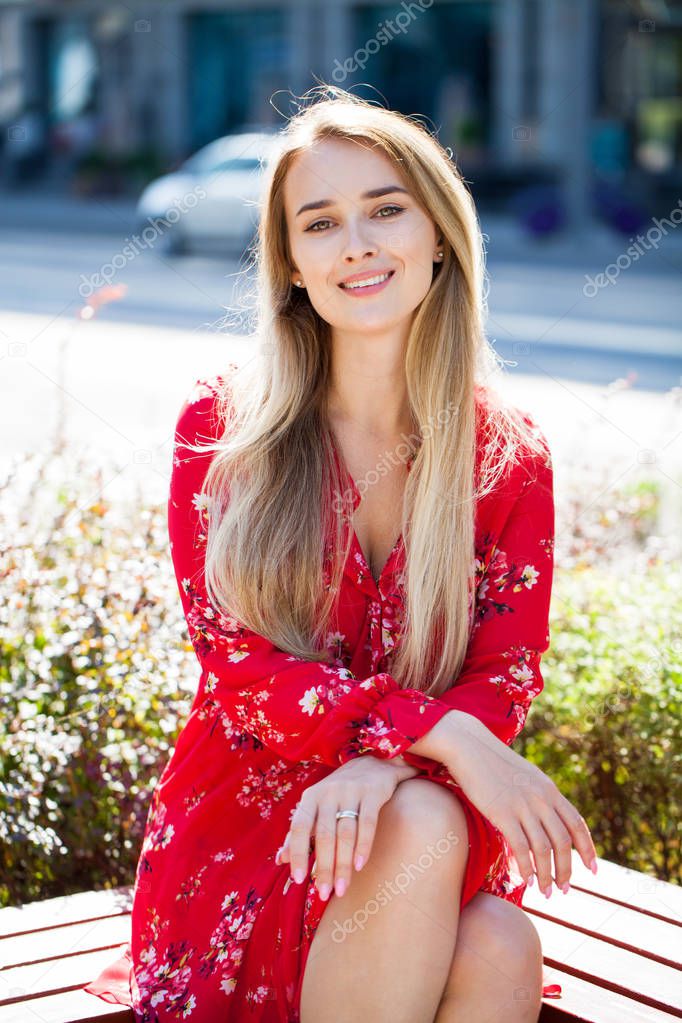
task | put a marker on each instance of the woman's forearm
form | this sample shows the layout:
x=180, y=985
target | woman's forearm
x=440, y=742
x=404, y=770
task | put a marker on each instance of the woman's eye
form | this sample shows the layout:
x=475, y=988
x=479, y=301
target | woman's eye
x=392, y=208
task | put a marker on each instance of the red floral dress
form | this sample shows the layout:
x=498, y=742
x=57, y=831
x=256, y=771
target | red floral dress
x=219, y=930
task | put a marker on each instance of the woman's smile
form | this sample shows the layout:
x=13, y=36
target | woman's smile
x=359, y=289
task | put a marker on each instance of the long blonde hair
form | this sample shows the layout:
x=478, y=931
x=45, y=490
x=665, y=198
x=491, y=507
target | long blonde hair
x=273, y=484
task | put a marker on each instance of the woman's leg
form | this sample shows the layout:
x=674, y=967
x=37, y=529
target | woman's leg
x=383, y=951
x=496, y=971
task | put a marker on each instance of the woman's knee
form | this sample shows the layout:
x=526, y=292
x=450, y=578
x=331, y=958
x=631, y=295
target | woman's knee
x=424, y=812
x=504, y=934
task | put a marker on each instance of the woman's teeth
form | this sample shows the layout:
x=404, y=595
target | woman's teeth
x=368, y=282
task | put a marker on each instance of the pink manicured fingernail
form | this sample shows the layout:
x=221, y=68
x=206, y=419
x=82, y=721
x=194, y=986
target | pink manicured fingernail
x=299, y=875
x=565, y=887
x=340, y=886
x=325, y=891
x=531, y=881
x=593, y=865
x=547, y=891
x=359, y=862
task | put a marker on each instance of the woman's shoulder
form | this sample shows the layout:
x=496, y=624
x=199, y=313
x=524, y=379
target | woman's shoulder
x=200, y=411
x=490, y=404
x=500, y=425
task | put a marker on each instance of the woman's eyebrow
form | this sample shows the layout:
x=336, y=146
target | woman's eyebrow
x=374, y=193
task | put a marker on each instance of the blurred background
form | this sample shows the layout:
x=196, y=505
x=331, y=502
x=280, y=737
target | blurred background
x=132, y=141
x=565, y=117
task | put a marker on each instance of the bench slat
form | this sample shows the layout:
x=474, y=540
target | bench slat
x=632, y=888
x=584, y=1002
x=62, y=974
x=38, y=946
x=640, y=932
x=69, y=1007
x=66, y=909
x=612, y=943
x=610, y=966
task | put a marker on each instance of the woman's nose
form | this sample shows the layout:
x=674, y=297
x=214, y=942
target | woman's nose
x=358, y=243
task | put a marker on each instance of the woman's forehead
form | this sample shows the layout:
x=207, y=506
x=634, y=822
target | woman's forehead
x=338, y=168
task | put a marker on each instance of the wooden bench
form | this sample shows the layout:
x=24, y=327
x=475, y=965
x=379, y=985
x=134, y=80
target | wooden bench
x=614, y=943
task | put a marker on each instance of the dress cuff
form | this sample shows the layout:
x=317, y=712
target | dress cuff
x=395, y=723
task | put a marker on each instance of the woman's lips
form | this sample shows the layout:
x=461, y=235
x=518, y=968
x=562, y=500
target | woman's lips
x=370, y=289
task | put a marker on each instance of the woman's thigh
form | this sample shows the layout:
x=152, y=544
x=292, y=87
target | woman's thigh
x=387, y=936
x=498, y=957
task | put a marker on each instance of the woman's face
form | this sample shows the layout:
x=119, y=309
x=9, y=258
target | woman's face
x=351, y=233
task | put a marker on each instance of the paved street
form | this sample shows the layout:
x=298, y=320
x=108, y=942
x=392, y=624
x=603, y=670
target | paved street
x=546, y=313
x=125, y=373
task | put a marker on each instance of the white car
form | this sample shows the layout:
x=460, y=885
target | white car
x=212, y=199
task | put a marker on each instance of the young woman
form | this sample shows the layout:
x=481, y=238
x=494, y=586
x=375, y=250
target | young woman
x=362, y=533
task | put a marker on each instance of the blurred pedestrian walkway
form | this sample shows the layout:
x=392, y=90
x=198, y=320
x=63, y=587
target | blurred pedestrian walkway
x=52, y=210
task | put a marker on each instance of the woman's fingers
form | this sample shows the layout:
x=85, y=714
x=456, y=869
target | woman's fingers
x=282, y=854
x=518, y=843
x=549, y=836
x=367, y=827
x=325, y=848
x=302, y=824
x=346, y=832
x=579, y=832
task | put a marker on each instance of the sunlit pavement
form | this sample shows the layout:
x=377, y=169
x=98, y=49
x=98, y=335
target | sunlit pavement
x=116, y=382
x=116, y=389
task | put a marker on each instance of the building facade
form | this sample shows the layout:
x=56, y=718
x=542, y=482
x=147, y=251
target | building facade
x=544, y=90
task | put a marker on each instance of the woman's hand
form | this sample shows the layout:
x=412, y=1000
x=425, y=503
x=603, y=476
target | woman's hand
x=363, y=784
x=519, y=799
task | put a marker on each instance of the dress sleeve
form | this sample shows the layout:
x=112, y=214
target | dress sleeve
x=501, y=672
x=302, y=710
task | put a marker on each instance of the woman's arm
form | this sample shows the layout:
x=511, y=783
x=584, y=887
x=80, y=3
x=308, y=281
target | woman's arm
x=301, y=710
x=501, y=672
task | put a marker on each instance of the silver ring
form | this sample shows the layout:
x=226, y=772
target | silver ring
x=346, y=813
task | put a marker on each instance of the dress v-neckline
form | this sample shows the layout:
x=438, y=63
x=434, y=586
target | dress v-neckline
x=355, y=542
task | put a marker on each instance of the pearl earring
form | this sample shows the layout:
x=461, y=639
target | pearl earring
x=440, y=255
x=299, y=284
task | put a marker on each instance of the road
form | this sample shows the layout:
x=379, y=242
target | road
x=540, y=317
x=117, y=381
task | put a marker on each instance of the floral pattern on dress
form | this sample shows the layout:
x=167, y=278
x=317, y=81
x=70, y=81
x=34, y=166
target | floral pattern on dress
x=220, y=931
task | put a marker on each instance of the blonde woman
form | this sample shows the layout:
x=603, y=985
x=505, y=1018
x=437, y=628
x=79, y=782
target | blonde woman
x=362, y=533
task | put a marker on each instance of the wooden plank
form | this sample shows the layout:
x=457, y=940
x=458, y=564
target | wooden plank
x=57, y=942
x=66, y=909
x=647, y=935
x=585, y=1002
x=641, y=979
x=629, y=887
x=67, y=973
x=69, y=1007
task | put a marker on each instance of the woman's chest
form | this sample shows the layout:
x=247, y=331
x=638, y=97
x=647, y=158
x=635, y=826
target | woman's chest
x=377, y=521
x=379, y=476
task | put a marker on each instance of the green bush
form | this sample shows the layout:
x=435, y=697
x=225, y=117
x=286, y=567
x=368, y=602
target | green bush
x=93, y=650
x=97, y=676
x=606, y=729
